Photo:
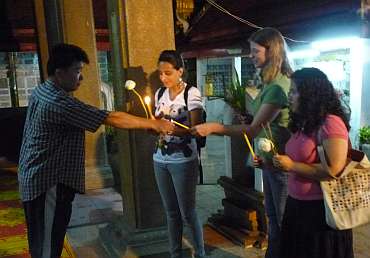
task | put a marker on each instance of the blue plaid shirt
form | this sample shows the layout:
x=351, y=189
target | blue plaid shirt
x=53, y=147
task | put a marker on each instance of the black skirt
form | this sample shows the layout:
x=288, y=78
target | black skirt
x=305, y=233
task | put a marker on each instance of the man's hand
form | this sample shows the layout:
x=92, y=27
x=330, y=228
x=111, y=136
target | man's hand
x=163, y=126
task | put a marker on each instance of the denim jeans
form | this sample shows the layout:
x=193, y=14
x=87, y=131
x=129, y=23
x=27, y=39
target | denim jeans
x=177, y=184
x=275, y=188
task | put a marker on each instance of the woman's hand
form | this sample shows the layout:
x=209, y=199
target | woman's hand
x=162, y=126
x=206, y=129
x=283, y=162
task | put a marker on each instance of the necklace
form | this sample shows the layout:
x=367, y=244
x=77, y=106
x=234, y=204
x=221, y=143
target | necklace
x=181, y=85
x=179, y=88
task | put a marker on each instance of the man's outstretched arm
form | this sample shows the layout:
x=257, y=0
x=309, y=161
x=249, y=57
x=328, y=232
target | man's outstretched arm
x=127, y=121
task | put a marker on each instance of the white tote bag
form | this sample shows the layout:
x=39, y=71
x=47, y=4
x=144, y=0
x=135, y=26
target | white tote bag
x=347, y=197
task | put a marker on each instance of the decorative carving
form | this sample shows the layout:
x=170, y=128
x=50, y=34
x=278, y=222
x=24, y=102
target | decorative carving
x=184, y=9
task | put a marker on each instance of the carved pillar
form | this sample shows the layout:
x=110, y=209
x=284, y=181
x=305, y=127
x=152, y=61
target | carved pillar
x=140, y=30
x=73, y=22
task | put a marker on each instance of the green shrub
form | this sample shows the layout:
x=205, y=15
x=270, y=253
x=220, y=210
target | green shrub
x=364, y=135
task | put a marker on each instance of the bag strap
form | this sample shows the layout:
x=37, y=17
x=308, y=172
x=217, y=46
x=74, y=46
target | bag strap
x=160, y=93
x=324, y=163
x=321, y=151
x=319, y=140
x=322, y=156
x=186, y=95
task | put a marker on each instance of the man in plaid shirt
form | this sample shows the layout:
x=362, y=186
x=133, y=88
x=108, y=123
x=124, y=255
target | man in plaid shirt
x=51, y=166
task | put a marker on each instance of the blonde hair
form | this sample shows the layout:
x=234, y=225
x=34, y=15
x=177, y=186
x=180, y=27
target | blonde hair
x=276, y=53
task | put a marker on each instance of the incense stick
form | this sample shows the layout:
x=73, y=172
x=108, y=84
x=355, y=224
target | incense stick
x=269, y=137
x=272, y=139
x=265, y=131
x=268, y=126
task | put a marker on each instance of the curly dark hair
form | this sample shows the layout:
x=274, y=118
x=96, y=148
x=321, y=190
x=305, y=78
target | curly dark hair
x=317, y=99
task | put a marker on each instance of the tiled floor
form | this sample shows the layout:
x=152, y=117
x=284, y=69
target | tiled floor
x=93, y=211
x=96, y=207
x=213, y=159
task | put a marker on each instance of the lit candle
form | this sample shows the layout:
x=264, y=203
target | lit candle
x=147, y=101
x=179, y=124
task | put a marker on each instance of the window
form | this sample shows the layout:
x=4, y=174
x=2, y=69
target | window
x=19, y=75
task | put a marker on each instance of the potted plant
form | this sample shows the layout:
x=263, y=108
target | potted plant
x=236, y=97
x=235, y=94
x=364, y=137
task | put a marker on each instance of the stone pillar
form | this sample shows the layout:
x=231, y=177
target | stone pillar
x=140, y=30
x=73, y=22
x=42, y=37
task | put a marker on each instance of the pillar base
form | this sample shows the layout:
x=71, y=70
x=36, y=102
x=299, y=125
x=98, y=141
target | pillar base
x=242, y=220
x=98, y=177
x=119, y=242
x=239, y=235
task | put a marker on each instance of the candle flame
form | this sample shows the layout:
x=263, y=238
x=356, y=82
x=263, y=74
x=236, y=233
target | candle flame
x=147, y=100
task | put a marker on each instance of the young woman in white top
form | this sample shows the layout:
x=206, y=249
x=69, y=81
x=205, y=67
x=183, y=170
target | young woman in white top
x=175, y=156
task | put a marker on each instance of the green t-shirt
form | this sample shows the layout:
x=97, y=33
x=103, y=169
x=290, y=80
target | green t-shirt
x=276, y=93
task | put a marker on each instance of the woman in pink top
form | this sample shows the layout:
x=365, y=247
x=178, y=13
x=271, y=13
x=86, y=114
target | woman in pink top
x=315, y=108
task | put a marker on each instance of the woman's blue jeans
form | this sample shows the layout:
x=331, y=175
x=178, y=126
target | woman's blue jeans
x=275, y=188
x=177, y=185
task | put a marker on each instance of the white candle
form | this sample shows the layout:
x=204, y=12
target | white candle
x=147, y=101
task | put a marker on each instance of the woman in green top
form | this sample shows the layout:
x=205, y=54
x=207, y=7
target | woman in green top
x=269, y=54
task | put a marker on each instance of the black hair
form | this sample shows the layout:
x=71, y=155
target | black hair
x=317, y=99
x=63, y=56
x=173, y=57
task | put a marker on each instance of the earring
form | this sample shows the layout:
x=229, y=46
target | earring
x=181, y=82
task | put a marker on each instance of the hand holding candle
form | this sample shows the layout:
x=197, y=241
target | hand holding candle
x=179, y=124
x=147, y=101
